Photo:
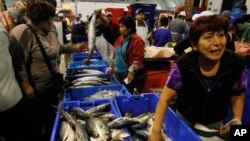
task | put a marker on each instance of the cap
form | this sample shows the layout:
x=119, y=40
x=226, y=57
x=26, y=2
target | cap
x=227, y=13
x=182, y=13
x=60, y=15
x=140, y=10
x=204, y=13
x=109, y=14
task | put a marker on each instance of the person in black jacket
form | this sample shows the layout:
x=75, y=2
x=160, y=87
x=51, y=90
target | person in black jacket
x=207, y=81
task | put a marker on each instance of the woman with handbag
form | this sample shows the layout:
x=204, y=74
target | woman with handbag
x=38, y=50
x=129, y=56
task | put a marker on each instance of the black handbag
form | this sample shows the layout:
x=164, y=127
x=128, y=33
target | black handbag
x=56, y=77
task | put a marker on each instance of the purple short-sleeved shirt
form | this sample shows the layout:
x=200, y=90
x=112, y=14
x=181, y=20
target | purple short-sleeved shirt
x=174, y=80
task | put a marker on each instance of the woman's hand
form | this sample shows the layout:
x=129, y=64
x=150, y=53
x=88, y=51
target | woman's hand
x=225, y=129
x=28, y=90
x=156, y=136
x=130, y=76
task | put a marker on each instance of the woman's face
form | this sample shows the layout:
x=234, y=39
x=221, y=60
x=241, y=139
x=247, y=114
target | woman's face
x=211, y=45
x=124, y=31
x=47, y=25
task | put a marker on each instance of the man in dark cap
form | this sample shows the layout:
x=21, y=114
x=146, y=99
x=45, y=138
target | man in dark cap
x=142, y=28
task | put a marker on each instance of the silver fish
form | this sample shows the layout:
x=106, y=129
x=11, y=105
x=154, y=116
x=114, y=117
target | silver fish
x=80, y=113
x=103, y=94
x=143, y=118
x=89, y=71
x=118, y=135
x=91, y=34
x=99, y=108
x=102, y=129
x=140, y=133
x=121, y=122
x=80, y=131
x=82, y=79
x=91, y=128
x=66, y=132
x=68, y=118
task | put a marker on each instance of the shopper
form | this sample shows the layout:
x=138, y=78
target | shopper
x=218, y=79
x=12, y=102
x=129, y=56
x=162, y=35
x=33, y=73
x=114, y=26
x=178, y=27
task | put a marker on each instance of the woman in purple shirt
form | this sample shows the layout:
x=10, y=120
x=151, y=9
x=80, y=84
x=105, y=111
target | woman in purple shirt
x=207, y=81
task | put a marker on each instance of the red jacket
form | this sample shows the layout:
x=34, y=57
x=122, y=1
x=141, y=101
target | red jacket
x=135, y=53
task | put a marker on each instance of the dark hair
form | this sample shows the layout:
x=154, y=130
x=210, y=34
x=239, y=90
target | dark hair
x=164, y=21
x=128, y=22
x=205, y=24
x=40, y=11
x=243, y=8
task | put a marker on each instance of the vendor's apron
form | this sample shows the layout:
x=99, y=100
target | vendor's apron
x=143, y=33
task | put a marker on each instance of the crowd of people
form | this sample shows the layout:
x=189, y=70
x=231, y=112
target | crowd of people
x=30, y=52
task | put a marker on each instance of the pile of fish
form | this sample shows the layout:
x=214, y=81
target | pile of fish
x=85, y=72
x=98, y=124
x=91, y=125
x=89, y=81
x=89, y=65
x=102, y=94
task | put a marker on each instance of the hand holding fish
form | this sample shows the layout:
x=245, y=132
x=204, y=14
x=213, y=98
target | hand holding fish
x=86, y=61
x=225, y=129
x=28, y=90
x=130, y=77
x=98, y=12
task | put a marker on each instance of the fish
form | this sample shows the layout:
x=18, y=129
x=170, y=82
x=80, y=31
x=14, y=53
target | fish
x=68, y=118
x=93, y=78
x=91, y=34
x=91, y=82
x=118, y=135
x=66, y=132
x=99, y=108
x=80, y=113
x=121, y=122
x=80, y=131
x=143, y=118
x=144, y=134
x=89, y=71
x=102, y=94
x=102, y=129
x=91, y=128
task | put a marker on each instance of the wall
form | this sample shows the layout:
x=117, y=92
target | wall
x=248, y=6
x=87, y=8
x=215, y=6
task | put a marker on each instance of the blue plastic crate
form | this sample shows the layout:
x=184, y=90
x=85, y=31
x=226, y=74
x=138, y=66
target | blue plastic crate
x=81, y=64
x=83, y=55
x=81, y=93
x=173, y=126
x=68, y=105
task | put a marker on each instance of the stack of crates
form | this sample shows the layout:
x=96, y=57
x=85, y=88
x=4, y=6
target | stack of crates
x=77, y=64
